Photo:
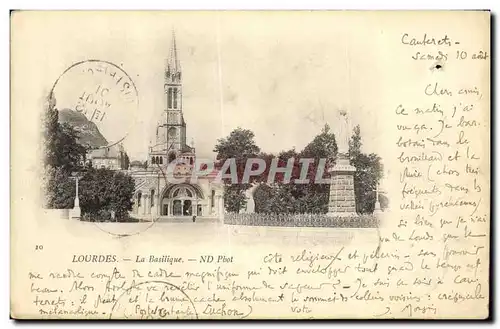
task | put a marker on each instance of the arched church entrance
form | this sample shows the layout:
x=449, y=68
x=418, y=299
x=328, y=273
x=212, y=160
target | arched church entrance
x=181, y=200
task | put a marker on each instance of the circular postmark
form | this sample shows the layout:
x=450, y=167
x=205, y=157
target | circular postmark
x=99, y=99
x=154, y=300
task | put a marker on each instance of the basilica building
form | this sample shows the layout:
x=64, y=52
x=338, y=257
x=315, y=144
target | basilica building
x=156, y=194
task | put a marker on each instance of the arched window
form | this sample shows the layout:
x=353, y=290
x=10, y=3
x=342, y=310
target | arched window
x=139, y=197
x=152, y=198
x=169, y=97
x=161, y=160
x=191, y=161
x=175, y=98
x=153, y=160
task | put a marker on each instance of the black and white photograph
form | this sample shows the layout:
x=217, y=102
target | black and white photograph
x=250, y=164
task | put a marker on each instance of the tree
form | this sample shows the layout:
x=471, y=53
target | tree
x=366, y=178
x=104, y=190
x=368, y=173
x=61, y=146
x=234, y=197
x=323, y=145
x=268, y=158
x=62, y=155
x=315, y=196
x=282, y=201
x=59, y=189
x=277, y=198
x=240, y=146
x=355, y=143
x=124, y=160
x=262, y=196
x=50, y=129
x=312, y=197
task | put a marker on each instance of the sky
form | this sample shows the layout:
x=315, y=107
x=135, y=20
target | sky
x=283, y=76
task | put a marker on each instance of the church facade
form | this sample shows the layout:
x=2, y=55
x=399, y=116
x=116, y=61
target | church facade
x=157, y=193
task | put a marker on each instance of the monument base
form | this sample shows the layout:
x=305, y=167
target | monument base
x=342, y=202
x=378, y=209
x=75, y=213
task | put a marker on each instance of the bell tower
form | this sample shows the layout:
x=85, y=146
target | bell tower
x=171, y=131
x=173, y=79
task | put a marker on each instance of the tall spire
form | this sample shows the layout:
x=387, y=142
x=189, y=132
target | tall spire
x=174, y=65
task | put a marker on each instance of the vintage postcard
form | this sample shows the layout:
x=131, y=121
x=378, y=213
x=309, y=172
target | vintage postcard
x=250, y=165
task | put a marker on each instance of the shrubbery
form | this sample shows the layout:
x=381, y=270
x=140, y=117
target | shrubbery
x=281, y=197
x=100, y=191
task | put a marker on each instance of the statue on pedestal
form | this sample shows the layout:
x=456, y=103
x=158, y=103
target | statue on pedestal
x=342, y=201
x=343, y=137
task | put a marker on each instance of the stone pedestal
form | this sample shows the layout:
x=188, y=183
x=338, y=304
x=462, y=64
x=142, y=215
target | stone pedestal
x=377, y=209
x=342, y=202
x=76, y=212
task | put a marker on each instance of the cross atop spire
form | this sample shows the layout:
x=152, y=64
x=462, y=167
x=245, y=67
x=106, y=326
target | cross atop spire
x=173, y=65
